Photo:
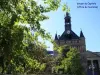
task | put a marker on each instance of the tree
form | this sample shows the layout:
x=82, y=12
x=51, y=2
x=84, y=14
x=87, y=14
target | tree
x=70, y=61
x=18, y=20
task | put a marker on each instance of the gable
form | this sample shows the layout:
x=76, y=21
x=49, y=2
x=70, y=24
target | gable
x=90, y=54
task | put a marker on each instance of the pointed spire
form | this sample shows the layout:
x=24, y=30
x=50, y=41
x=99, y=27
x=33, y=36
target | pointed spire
x=81, y=34
x=56, y=37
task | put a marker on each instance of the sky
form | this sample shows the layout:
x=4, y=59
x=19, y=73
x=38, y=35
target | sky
x=87, y=19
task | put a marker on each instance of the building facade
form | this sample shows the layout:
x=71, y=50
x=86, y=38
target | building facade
x=93, y=63
x=70, y=38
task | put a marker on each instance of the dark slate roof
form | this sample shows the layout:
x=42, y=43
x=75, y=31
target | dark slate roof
x=97, y=53
x=81, y=34
x=70, y=36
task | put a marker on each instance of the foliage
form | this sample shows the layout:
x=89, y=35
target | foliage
x=70, y=61
x=19, y=19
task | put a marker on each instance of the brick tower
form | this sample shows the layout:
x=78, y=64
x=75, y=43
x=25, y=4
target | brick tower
x=70, y=38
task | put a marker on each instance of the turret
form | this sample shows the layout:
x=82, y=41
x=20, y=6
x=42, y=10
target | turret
x=56, y=37
x=82, y=40
x=81, y=34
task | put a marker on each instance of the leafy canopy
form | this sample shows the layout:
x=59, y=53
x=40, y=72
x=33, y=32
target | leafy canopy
x=19, y=21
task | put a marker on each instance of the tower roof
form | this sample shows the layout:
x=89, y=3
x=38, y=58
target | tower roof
x=81, y=34
x=66, y=36
x=67, y=14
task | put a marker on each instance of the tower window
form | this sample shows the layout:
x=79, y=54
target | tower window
x=67, y=23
